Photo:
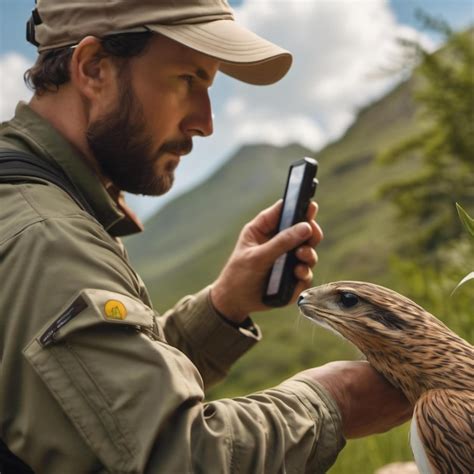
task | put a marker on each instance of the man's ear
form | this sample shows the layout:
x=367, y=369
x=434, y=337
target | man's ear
x=92, y=72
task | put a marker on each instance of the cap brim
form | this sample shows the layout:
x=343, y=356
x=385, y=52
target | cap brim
x=244, y=55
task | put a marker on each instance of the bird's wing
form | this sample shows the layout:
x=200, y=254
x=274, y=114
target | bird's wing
x=442, y=432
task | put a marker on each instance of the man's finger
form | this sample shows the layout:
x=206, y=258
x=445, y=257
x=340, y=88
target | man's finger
x=304, y=274
x=317, y=234
x=285, y=241
x=307, y=255
x=312, y=211
x=267, y=220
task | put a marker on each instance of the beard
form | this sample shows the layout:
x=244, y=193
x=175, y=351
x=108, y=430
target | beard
x=123, y=148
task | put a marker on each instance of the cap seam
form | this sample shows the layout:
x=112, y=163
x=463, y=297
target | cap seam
x=206, y=35
x=255, y=55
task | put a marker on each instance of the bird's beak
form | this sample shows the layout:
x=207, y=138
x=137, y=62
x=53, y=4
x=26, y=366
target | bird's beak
x=301, y=299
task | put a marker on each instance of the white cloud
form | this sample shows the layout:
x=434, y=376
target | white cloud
x=12, y=87
x=340, y=48
x=281, y=131
x=235, y=106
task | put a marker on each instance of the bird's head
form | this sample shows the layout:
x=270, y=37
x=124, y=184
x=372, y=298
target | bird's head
x=398, y=337
x=364, y=313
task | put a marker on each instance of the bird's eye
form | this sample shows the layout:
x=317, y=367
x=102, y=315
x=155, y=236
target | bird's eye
x=349, y=300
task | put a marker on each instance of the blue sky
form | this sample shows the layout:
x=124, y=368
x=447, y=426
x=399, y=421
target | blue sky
x=13, y=15
x=340, y=48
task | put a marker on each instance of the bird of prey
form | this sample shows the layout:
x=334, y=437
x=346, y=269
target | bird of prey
x=417, y=353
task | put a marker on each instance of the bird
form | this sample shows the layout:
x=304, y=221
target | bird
x=415, y=352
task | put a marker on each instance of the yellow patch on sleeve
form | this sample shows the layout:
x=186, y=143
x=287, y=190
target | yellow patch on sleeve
x=115, y=309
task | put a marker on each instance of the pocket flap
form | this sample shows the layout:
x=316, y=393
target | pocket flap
x=91, y=307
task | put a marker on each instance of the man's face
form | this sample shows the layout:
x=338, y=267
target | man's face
x=161, y=102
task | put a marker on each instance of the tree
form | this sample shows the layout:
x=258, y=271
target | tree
x=444, y=143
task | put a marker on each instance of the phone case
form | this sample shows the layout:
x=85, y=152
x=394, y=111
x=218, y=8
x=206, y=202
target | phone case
x=281, y=282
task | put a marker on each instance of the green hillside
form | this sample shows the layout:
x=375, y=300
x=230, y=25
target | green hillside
x=187, y=242
x=198, y=229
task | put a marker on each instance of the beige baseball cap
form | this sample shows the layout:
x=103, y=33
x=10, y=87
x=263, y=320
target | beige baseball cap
x=206, y=26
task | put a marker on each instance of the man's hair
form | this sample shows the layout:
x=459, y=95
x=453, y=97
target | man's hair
x=51, y=68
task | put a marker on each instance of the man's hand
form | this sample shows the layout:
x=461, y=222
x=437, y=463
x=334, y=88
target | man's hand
x=238, y=289
x=368, y=403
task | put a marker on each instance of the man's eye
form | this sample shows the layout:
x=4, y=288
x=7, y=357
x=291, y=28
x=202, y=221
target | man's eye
x=188, y=78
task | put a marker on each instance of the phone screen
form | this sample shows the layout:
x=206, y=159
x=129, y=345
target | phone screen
x=291, y=197
x=287, y=216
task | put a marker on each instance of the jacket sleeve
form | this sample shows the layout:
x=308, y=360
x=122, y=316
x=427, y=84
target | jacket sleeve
x=102, y=390
x=213, y=344
x=138, y=403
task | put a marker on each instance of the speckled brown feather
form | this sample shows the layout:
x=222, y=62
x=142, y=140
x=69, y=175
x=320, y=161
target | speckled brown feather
x=415, y=352
x=445, y=421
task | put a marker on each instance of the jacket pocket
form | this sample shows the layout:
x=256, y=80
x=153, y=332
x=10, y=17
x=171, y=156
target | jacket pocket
x=72, y=355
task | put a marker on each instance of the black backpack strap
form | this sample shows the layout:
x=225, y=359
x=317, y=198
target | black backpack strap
x=15, y=166
x=10, y=464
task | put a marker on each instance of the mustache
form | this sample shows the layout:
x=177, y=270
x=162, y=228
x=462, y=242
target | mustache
x=178, y=147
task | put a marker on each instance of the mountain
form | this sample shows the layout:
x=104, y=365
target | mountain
x=187, y=242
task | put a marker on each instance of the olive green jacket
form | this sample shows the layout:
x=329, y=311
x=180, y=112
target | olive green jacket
x=92, y=379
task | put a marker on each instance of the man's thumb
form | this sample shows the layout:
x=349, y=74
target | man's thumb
x=286, y=240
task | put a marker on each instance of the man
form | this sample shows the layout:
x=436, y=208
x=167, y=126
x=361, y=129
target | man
x=91, y=379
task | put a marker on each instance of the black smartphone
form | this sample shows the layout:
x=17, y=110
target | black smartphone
x=300, y=188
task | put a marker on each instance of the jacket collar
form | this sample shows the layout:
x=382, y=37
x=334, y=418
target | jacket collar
x=47, y=143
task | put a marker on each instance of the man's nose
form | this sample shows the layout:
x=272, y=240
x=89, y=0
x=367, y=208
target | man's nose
x=199, y=121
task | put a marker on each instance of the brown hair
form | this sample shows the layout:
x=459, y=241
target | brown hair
x=51, y=68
